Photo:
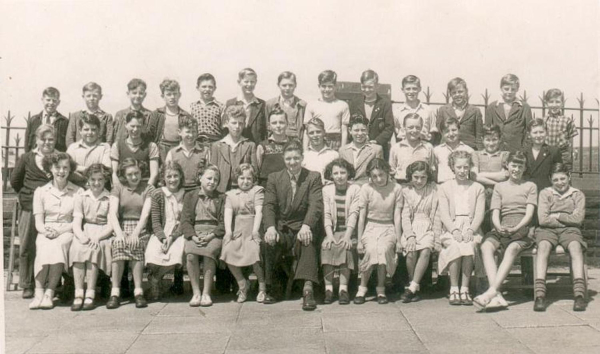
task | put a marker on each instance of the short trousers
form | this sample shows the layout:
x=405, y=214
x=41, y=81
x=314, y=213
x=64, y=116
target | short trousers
x=559, y=236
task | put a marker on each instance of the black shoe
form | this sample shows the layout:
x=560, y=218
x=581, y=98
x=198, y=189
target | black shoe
x=344, y=298
x=140, y=301
x=269, y=299
x=77, y=306
x=28, y=293
x=88, y=306
x=409, y=296
x=579, y=304
x=540, y=304
x=359, y=300
x=113, y=303
x=308, y=301
x=382, y=299
x=328, y=297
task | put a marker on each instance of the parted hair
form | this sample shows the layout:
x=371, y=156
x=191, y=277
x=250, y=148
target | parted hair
x=169, y=85
x=327, y=76
x=209, y=167
x=276, y=111
x=286, y=75
x=43, y=129
x=246, y=72
x=454, y=83
x=411, y=79
x=368, y=75
x=127, y=163
x=510, y=79
x=416, y=167
x=559, y=167
x=341, y=163
x=188, y=122
x=316, y=122
x=554, y=93
x=134, y=115
x=448, y=122
x=378, y=164
x=89, y=119
x=51, y=92
x=92, y=86
x=293, y=145
x=412, y=116
x=245, y=167
x=459, y=154
x=173, y=166
x=492, y=129
x=135, y=83
x=98, y=168
x=537, y=122
x=52, y=159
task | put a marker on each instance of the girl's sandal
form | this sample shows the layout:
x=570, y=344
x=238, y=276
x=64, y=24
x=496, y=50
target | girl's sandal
x=465, y=299
x=454, y=299
x=243, y=293
x=206, y=301
x=195, y=301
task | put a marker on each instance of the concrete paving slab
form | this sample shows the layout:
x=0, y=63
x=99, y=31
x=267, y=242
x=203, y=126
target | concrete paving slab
x=462, y=332
x=164, y=325
x=280, y=319
x=205, y=343
x=85, y=343
x=276, y=340
x=183, y=309
x=103, y=323
x=509, y=347
x=555, y=339
x=20, y=345
x=36, y=323
x=366, y=322
x=368, y=342
x=553, y=317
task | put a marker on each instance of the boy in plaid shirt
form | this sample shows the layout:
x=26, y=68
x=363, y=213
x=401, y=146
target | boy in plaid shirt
x=559, y=128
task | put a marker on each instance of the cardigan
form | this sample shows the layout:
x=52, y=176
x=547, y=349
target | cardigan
x=408, y=211
x=447, y=204
x=26, y=177
x=256, y=122
x=60, y=124
x=471, y=124
x=159, y=218
x=351, y=210
x=381, y=122
x=187, y=219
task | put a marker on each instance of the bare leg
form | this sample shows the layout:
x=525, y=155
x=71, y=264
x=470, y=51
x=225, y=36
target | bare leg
x=260, y=276
x=467, y=269
x=54, y=275
x=454, y=270
x=488, y=252
x=137, y=268
x=411, y=263
x=210, y=267
x=364, y=280
x=543, y=252
x=237, y=273
x=42, y=276
x=421, y=265
x=78, y=275
x=193, y=267
x=512, y=252
x=91, y=275
x=117, y=273
x=328, y=271
x=576, y=253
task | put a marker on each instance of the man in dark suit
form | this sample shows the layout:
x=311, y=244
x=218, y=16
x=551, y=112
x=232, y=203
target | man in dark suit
x=292, y=213
x=50, y=100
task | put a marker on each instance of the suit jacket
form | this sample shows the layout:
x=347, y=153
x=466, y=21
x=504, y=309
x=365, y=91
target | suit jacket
x=514, y=127
x=471, y=124
x=104, y=134
x=220, y=156
x=280, y=210
x=538, y=170
x=256, y=122
x=61, y=123
x=119, y=132
x=156, y=123
x=381, y=122
x=368, y=153
x=301, y=109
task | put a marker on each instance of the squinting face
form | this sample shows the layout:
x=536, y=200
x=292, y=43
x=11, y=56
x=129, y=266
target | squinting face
x=509, y=92
x=339, y=176
x=96, y=182
x=491, y=143
x=209, y=181
x=327, y=90
x=560, y=181
x=134, y=128
x=92, y=99
x=46, y=142
x=247, y=84
x=50, y=103
x=315, y=134
x=419, y=179
x=379, y=177
x=287, y=88
x=293, y=161
x=188, y=135
x=555, y=105
x=413, y=128
x=459, y=95
x=538, y=135
x=61, y=170
x=462, y=167
x=368, y=88
x=515, y=171
x=451, y=134
x=277, y=124
x=171, y=97
x=133, y=175
x=246, y=180
x=235, y=126
x=207, y=89
x=359, y=133
x=89, y=134
x=172, y=180
x=137, y=95
x=411, y=91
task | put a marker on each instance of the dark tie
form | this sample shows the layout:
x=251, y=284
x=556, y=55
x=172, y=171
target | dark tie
x=294, y=184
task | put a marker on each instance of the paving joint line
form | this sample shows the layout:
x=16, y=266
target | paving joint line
x=143, y=329
x=413, y=330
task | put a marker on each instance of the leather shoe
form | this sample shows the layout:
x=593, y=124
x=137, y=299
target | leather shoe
x=77, y=304
x=28, y=293
x=308, y=301
x=269, y=299
x=409, y=296
x=579, y=304
x=344, y=298
x=140, y=301
x=382, y=299
x=359, y=300
x=539, y=305
x=113, y=303
x=328, y=297
x=88, y=304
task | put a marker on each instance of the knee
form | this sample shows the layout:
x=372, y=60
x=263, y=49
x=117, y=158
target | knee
x=513, y=249
x=575, y=249
x=544, y=247
x=426, y=253
x=192, y=258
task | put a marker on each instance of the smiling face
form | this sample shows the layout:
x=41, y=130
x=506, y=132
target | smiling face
x=411, y=92
x=293, y=161
x=209, y=181
x=491, y=143
x=89, y=134
x=92, y=99
x=137, y=96
x=451, y=134
x=379, y=177
x=172, y=180
x=248, y=84
x=316, y=135
x=188, y=135
x=462, y=167
x=339, y=176
x=50, y=103
x=515, y=171
x=60, y=171
x=369, y=89
x=359, y=133
x=133, y=176
x=555, y=105
x=327, y=90
x=207, y=89
x=287, y=88
x=134, y=128
x=419, y=179
x=246, y=180
x=277, y=124
x=171, y=98
x=413, y=128
x=459, y=95
x=560, y=181
x=538, y=135
x=46, y=143
x=96, y=182
x=509, y=92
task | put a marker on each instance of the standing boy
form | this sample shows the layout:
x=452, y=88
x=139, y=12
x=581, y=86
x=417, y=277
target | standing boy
x=411, y=87
x=256, y=121
x=360, y=151
x=50, y=101
x=92, y=94
x=560, y=129
x=136, y=92
x=207, y=111
x=190, y=155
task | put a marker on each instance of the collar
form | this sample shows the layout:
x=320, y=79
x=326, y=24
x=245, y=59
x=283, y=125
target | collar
x=493, y=154
x=254, y=100
x=555, y=116
x=405, y=107
x=180, y=147
x=128, y=141
x=567, y=194
x=324, y=149
x=297, y=175
x=463, y=108
x=204, y=195
x=163, y=110
x=37, y=152
x=404, y=142
x=70, y=187
x=81, y=144
x=46, y=114
x=353, y=147
x=141, y=186
x=460, y=144
x=292, y=101
x=227, y=140
x=168, y=193
x=271, y=139
x=516, y=101
x=211, y=102
x=97, y=113
x=89, y=193
x=142, y=110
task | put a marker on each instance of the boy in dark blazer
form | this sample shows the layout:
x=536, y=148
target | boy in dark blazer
x=292, y=213
x=256, y=120
x=50, y=100
x=540, y=156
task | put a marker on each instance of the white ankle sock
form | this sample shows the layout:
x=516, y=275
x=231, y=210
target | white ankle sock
x=329, y=287
x=414, y=287
x=454, y=289
x=79, y=293
x=362, y=291
x=344, y=288
x=138, y=291
x=49, y=292
x=115, y=292
x=90, y=294
x=464, y=289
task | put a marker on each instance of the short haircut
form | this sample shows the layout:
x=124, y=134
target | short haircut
x=554, y=93
x=277, y=111
x=341, y=163
x=43, y=129
x=97, y=168
x=411, y=79
x=492, y=129
x=127, y=163
x=454, y=83
x=537, y=122
x=51, y=92
x=368, y=75
x=134, y=115
x=559, y=167
x=293, y=145
x=357, y=118
x=89, y=119
x=510, y=79
x=169, y=85
x=239, y=171
x=246, y=72
x=173, y=166
x=135, y=83
x=517, y=157
x=316, y=122
x=287, y=75
x=235, y=111
x=448, y=122
x=92, y=86
x=206, y=77
x=416, y=167
x=412, y=116
x=52, y=159
x=327, y=76
x=378, y=164
x=209, y=167
x=188, y=122
x=459, y=154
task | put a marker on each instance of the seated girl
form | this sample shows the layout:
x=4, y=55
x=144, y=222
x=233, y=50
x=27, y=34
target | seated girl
x=561, y=209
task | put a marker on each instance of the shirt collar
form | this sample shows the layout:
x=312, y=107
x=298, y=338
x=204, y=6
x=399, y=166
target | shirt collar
x=97, y=113
x=292, y=101
x=168, y=193
x=404, y=142
x=460, y=144
x=405, y=107
x=516, y=101
x=353, y=147
x=194, y=148
x=163, y=110
x=271, y=139
x=567, y=194
x=68, y=188
x=493, y=154
x=227, y=140
x=297, y=175
x=103, y=194
x=325, y=148
x=204, y=195
x=241, y=98
x=462, y=108
x=211, y=102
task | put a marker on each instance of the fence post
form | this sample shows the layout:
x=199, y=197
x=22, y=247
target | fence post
x=486, y=98
x=5, y=152
x=427, y=96
x=581, y=113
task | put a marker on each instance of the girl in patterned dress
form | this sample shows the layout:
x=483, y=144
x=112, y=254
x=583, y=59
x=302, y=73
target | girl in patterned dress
x=165, y=248
x=53, y=212
x=90, y=250
x=203, y=229
x=341, y=210
x=269, y=153
x=241, y=243
x=129, y=214
x=420, y=224
x=379, y=228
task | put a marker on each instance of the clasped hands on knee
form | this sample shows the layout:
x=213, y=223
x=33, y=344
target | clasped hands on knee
x=305, y=235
